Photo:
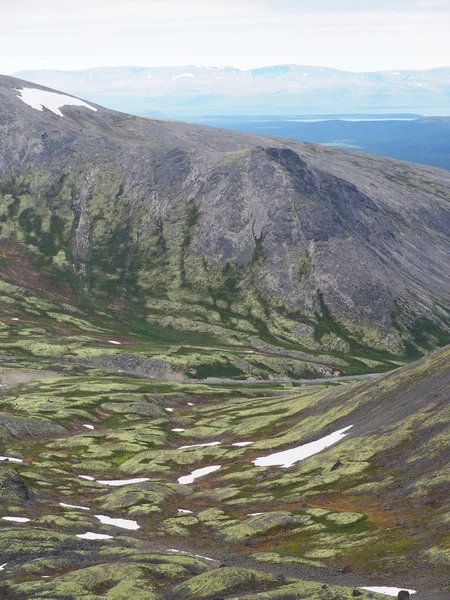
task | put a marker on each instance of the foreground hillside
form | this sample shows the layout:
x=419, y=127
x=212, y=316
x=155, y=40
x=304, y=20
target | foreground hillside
x=96, y=499
x=211, y=252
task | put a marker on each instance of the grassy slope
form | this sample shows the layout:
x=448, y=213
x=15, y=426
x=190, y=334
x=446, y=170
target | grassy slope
x=46, y=321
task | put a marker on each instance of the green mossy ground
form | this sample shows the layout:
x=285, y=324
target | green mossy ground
x=373, y=498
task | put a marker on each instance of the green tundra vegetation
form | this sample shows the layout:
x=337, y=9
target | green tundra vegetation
x=375, y=504
x=179, y=308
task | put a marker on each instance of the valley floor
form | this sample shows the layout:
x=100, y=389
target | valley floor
x=115, y=487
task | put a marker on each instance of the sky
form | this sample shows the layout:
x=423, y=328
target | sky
x=355, y=35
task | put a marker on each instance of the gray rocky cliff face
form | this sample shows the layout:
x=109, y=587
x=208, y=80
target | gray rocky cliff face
x=142, y=208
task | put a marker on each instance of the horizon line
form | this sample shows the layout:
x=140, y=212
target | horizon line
x=222, y=67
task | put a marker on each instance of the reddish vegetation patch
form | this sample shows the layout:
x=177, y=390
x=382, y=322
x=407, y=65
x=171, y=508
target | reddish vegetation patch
x=367, y=505
x=19, y=269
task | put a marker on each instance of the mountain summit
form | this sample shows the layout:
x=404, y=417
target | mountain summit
x=239, y=239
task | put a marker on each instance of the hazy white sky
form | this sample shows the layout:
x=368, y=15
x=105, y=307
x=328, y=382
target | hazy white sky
x=357, y=35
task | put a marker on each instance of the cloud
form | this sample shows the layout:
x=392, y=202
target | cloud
x=349, y=34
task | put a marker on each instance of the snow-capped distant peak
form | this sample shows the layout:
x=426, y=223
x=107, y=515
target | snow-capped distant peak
x=183, y=75
x=40, y=99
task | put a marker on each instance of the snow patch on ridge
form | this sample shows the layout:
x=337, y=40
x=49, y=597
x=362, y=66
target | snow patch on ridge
x=387, y=591
x=287, y=458
x=122, y=523
x=94, y=536
x=198, y=473
x=10, y=458
x=40, y=99
x=183, y=75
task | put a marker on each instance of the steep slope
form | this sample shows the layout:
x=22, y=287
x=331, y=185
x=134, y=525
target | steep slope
x=112, y=458
x=233, y=239
x=281, y=89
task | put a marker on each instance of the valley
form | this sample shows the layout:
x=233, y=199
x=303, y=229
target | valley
x=225, y=362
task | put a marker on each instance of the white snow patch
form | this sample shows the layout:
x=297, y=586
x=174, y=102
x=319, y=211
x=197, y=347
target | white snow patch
x=185, y=512
x=114, y=342
x=122, y=523
x=388, y=591
x=178, y=430
x=190, y=404
x=200, y=445
x=14, y=319
x=10, y=458
x=242, y=444
x=40, y=99
x=169, y=409
x=196, y=555
x=89, y=426
x=198, y=473
x=250, y=352
x=94, y=536
x=183, y=75
x=255, y=514
x=119, y=482
x=87, y=477
x=16, y=519
x=2, y=567
x=287, y=458
x=64, y=505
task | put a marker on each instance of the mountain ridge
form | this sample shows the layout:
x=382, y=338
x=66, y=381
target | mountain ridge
x=196, y=89
x=230, y=233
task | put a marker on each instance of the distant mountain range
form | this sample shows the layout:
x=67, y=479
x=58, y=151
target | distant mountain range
x=283, y=89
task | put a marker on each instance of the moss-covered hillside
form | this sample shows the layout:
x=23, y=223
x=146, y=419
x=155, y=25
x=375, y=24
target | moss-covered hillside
x=372, y=509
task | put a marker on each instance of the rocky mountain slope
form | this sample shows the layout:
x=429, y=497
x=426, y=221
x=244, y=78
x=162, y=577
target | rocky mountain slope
x=139, y=258
x=282, y=89
x=305, y=260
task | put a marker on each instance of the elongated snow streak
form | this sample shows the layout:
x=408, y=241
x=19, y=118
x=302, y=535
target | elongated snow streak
x=196, y=555
x=89, y=426
x=199, y=445
x=242, y=444
x=183, y=75
x=119, y=482
x=198, y=473
x=87, y=477
x=94, y=536
x=2, y=567
x=178, y=430
x=289, y=457
x=64, y=505
x=388, y=591
x=183, y=511
x=16, y=519
x=40, y=99
x=10, y=459
x=114, y=342
x=122, y=523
